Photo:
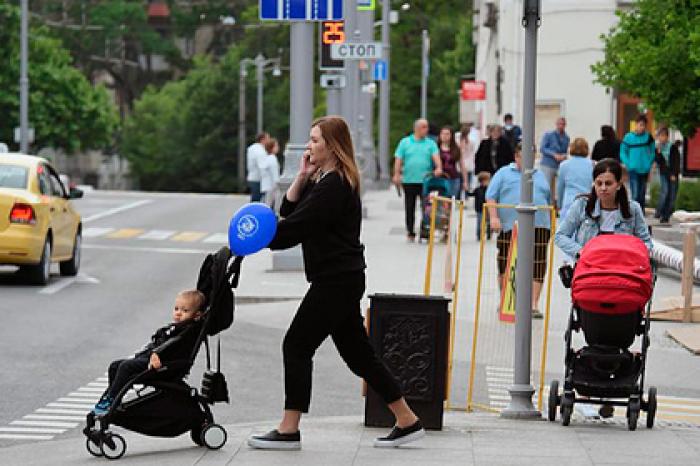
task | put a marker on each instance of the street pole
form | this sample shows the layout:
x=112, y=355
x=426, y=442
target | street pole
x=521, y=392
x=259, y=76
x=241, y=128
x=24, y=79
x=384, y=98
x=301, y=102
x=365, y=139
x=350, y=92
x=425, y=48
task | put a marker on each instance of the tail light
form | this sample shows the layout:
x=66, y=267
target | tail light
x=22, y=213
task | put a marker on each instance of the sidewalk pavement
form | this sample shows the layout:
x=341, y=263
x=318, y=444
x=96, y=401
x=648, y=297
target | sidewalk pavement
x=467, y=439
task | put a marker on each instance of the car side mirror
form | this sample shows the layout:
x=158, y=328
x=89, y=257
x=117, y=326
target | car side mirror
x=75, y=193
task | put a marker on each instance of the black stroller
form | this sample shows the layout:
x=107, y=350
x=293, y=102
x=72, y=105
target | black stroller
x=612, y=285
x=162, y=404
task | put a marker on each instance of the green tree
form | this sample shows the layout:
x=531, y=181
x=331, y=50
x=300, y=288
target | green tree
x=66, y=111
x=654, y=53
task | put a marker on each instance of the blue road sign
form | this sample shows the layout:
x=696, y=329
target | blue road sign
x=379, y=71
x=301, y=10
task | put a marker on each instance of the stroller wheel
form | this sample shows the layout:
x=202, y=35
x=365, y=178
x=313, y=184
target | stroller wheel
x=651, y=407
x=113, y=446
x=93, y=448
x=553, y=400
x=214, y=436
x=633, y=409
x=567, y=409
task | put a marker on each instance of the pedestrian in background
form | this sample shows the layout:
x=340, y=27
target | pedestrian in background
x=512, y=132
x=453, y=166
x=416, y=157
x=493, y=153
x=554, y=147
x=608, y=146
x=575, y=175
x=668, y=159
x=255, y=155
x=637, y=153
x=322, y=211
x=505, y=189
x=468, y=142
x=479, y=194
x=270, y=172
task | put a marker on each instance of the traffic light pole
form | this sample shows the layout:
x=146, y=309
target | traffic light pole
x=384, y=174
x=521, y=392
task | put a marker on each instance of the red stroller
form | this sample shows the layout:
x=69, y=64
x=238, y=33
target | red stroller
x=612, y=283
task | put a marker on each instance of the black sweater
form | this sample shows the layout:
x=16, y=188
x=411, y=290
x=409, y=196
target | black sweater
x=483, y=161
x=174, y=342
x=326, y=221
x=673, y=168
x=606, y=148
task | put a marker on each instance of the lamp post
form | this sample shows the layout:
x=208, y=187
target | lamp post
x=262, y=64
x=24, y=78
x=425, y=56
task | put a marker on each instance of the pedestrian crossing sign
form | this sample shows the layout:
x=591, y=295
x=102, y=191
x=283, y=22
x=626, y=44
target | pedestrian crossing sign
x=506, y=311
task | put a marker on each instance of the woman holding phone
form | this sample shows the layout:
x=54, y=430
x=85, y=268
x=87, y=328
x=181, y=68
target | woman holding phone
x=322, y=212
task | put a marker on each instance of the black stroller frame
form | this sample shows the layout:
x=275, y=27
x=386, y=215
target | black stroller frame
x=633, y=398
x=102, y=442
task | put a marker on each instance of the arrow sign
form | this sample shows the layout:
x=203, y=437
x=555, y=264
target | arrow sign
x=379, y=73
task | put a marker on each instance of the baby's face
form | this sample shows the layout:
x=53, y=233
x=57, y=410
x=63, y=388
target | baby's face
x=184, y=309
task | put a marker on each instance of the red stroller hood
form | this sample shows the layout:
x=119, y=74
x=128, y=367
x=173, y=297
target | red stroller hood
x=613, y=275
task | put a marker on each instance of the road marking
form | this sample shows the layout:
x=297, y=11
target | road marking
x=25, y=437
x=219, y=238
x=69, y=405
x=67, y=425
x=61, y=411
x=86, y=395
x=91, y=390
x=98, y=384
x=116, y=210
x=87, y=402
x=157, y=234
x=52, y=417
x=189, y=236
x=125, y=233
x=66, y=282
x=142, y=249
x=94, y=232
x=37, y=430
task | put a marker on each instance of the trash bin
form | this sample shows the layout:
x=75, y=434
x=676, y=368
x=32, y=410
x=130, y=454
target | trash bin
x=410, y=335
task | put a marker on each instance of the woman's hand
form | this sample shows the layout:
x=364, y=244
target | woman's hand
x=495, y=223
x=306, y=168
x=154, y=362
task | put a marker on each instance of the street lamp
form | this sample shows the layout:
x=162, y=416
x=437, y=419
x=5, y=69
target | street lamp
x=262, y=64
x=24, y=79
x=425, y=64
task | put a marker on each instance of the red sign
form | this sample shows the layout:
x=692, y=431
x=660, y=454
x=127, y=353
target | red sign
x=691, y=164
x=473, y=90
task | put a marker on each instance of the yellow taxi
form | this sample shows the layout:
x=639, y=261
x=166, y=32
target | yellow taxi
x=38, y=224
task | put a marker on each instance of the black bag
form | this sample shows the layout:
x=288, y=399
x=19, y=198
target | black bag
x=566, y=275
x=214, y=388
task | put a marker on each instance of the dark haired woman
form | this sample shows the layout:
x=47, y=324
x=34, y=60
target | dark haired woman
x=605, y=210
x=322, y=211
x=453, y=165
x=608, y=146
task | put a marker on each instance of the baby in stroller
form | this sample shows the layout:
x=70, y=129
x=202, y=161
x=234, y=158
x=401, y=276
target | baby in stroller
x=172, y=342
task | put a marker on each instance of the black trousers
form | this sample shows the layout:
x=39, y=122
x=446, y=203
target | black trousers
x=411, y=191
x=123, y=370
x=332, y=308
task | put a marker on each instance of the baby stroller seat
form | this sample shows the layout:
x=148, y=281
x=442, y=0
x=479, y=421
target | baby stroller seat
x=440, y=186
x=163, y=404
x=612, y=284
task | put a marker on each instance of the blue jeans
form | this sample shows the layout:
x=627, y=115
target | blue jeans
x=456, y=187
x=255, y=194
x=638, y=186
x=667, y=197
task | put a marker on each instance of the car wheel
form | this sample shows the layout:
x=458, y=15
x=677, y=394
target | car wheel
x=70, y=267
x=39, y=274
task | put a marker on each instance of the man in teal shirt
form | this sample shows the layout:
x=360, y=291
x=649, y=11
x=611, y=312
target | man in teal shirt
x=637, y=152
x=415, y=158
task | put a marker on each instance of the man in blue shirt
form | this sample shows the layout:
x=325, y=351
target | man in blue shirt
x=505, y=189
x=554, y=147
x=637, y=152
x=416, y=157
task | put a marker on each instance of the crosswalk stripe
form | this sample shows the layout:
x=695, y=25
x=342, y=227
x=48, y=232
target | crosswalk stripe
x=125, y=233
x=189, y=236
x=217, y=238
x=157, y=234
x=91, y=390
x=86, y=402
x=61, y=411
x=98, y=384
x=68, y=425
x=94, y=232
x=86, y=395
x=25, y=437
x=69, y=405
x=678, y=400
x=51, y=417
x=37, y=430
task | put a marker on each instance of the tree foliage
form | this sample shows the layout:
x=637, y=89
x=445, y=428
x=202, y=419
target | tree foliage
x=654, y=53
x=66, y=111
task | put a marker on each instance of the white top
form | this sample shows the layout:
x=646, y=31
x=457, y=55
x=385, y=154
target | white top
x=269, y=173
x=607, y=220
x=254, y=158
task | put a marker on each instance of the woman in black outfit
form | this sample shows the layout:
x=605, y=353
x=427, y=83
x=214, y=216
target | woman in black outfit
x=608, y=146
x=322, y=211
x=493, y=153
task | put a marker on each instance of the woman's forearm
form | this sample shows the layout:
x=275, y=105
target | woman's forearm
x=295, y=190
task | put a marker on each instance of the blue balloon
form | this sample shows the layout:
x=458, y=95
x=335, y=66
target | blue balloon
x=251, y=229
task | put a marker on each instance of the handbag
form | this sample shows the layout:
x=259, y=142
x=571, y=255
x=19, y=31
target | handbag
x=214, y=387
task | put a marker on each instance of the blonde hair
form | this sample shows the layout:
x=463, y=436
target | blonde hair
x=197, y=297
x=336, y=134
x=579, y=147
x=270, y=144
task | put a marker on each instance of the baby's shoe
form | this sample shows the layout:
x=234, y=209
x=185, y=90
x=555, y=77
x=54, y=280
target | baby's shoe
x=102, y=407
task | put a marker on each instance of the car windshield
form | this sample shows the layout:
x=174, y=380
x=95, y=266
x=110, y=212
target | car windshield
x=13, y=176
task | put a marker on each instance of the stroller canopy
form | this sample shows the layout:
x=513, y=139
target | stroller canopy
x=217, y=278
x=613, y=275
